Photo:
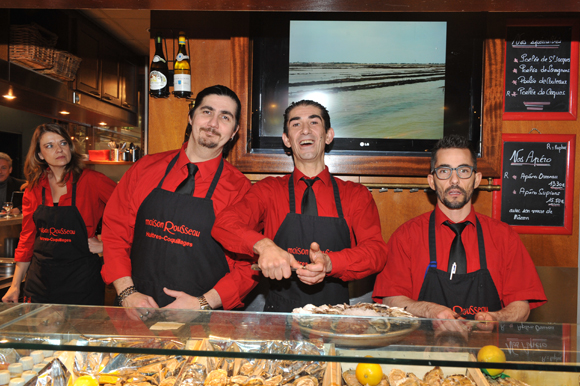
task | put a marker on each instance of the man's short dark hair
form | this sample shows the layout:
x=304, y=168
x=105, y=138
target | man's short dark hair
x=218, y=90
x=307, y=102
x=452, y=141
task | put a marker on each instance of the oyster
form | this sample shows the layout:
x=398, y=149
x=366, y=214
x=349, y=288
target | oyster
x=381, y=325
x=396, y=377
x=255, y=380
x=349, y=378
x=216, y=378
x=307, y=380
x=274, y=381
x=239, y=380
x=434, y=377
x=247, y=368
x=168, y=381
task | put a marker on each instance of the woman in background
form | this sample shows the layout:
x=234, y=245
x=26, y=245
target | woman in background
x=62, y=205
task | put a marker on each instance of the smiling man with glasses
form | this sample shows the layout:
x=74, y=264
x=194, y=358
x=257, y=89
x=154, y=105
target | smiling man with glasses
x=453, y=262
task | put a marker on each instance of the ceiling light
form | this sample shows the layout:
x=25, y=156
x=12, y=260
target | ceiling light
x=64, y=112
x=10, y=95
x=103, y=123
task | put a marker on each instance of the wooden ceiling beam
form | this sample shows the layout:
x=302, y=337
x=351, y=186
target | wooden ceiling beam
x=309, y=5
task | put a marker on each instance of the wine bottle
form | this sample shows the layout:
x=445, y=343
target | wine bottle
x=158, y=81
x=182, y=71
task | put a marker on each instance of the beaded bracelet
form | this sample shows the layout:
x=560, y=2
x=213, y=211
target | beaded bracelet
x=125, y=293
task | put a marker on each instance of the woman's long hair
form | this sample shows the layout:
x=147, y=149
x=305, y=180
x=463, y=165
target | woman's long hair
x=35, y=168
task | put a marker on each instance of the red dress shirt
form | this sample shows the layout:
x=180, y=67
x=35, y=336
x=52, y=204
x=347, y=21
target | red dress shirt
x=266, y=205
x=93, y=192
x=135, y=186
x=511, y=267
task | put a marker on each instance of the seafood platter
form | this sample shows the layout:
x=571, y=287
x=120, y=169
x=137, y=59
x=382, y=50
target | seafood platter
x=359, y=325
x=68, y=368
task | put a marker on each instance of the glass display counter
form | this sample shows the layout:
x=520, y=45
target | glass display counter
x=167, y=346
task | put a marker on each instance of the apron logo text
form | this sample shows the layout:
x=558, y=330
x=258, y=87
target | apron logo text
x=57, y=232
x=168, y=239
x=469, y=311
x=172, y=228
x=54, y=240
x=303, y=251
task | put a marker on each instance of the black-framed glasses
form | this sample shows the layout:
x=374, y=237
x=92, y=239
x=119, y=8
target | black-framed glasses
x=444, y=172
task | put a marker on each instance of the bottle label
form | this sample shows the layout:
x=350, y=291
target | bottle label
x=181, y=57
x=182, y=82
x=158, y=58
x=157, y=80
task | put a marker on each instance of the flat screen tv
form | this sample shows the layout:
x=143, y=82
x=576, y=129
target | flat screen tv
x=393, y=83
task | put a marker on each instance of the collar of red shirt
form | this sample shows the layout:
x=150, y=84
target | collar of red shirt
x=323, y=175
x=206, y=169
x=43, y=183
x=440, y=217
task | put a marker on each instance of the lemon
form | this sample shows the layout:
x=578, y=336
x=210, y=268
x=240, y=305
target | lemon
x=369, y=373
x=106, y=378
x=86, y=380
x=490, y=353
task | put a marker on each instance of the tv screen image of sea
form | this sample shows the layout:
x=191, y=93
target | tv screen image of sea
x=377, y=79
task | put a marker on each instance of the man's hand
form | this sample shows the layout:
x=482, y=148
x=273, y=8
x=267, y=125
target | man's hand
x=95, y=245
x=275, y=262
x=136, y=299
x=182, y=300
x=15, y=212
x=316, y=271
x=421, y=308
x=517, y=311
x=136, y=304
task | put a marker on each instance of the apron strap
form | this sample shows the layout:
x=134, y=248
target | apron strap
x=74, y=194
x=215, y=180
x=169, y=167
x=291, y=194
x=433, y=244
x=337, y=198
x=480, y=245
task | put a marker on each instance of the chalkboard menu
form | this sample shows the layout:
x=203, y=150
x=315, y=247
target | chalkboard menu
x=531, y=342
x=537, y=183
x=540, y=72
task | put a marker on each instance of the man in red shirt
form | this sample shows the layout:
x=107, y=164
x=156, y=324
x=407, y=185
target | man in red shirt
x=326, y=229
x=481, y=271
x=158, y=249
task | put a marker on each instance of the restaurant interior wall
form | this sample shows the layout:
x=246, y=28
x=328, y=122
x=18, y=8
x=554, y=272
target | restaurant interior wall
x=215, y=54
x=223, y=41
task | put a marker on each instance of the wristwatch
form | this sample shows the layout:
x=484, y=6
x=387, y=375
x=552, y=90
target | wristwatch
x=203, y=304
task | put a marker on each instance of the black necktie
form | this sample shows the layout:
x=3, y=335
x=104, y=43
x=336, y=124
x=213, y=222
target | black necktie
x=457, y=253
x=188, y=185
x=309, y=199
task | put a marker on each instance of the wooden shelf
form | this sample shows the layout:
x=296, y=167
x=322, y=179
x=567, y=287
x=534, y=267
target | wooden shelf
x=109, y=162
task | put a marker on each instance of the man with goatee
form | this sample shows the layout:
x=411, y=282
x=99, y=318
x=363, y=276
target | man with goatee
x=158, y=249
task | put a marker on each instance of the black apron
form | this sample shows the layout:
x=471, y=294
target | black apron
x=466, y=294
x=172, y=243
x=63, y=270
x=295, y=235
